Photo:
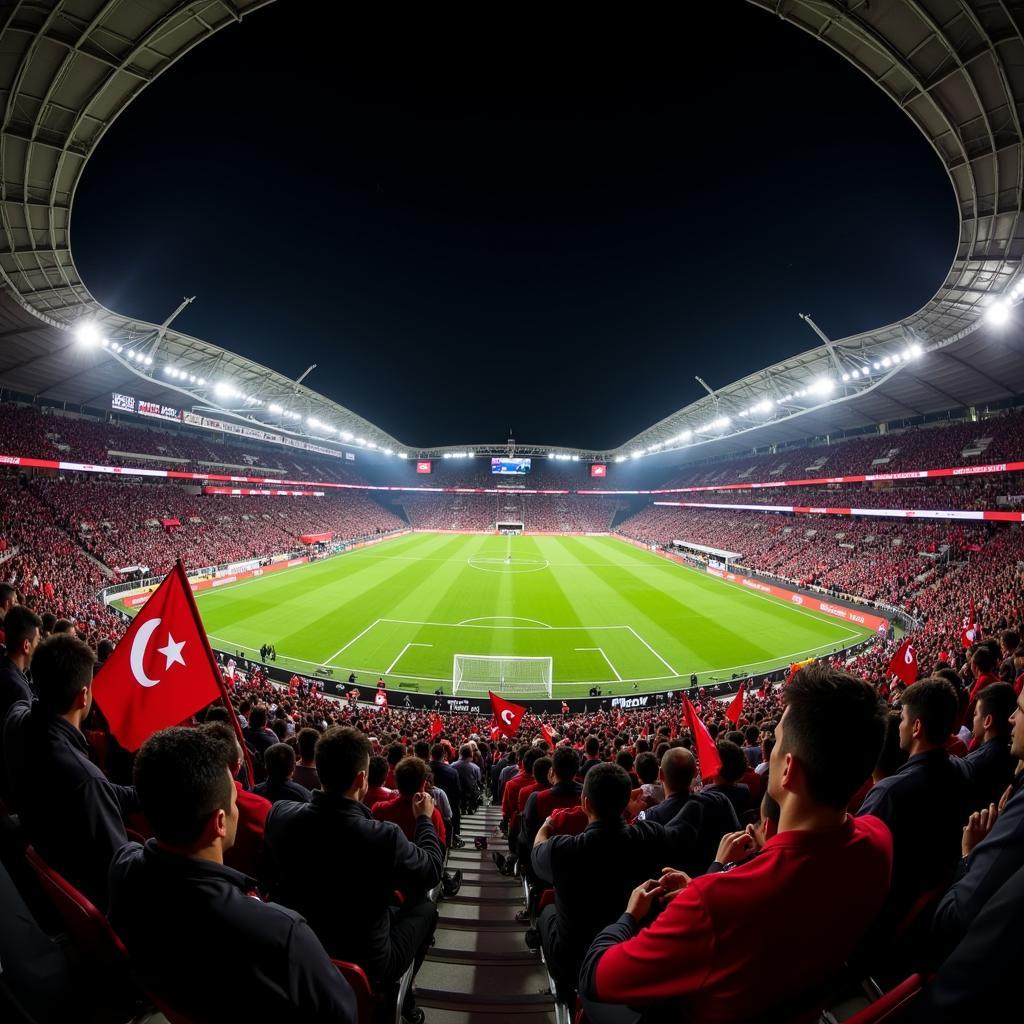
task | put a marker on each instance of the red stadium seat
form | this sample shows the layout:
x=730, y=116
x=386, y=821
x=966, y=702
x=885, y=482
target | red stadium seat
x=893, y=1006
x=366, y=1001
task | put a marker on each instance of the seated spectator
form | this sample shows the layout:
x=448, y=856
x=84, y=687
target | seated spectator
x=245, y=852
x=727, y=782
x=376, y=791
x=256, y=733
x=751, y=746
x=279, y=763
x=305, y=771
x=677, y=771
x=992, y=848
x=593, y=873
x=469, y=778
x=699, y=960
x=990, y=766
x=356, y=921
x=21, y=627
x=447, y=779
x=411, y=777
x=650, y=791
x=195, y=934
x=564, y=792
x=71, y=812
x=926, y=802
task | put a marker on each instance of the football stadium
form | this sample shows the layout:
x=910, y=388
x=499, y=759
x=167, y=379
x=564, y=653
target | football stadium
x=696, y=696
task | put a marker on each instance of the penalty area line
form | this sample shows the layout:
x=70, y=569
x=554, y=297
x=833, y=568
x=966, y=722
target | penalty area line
x=652, y=650
x=351, y=642
x=600, y=650
x=387, y=671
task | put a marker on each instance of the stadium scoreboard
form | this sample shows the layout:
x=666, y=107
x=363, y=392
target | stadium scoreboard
x=511, y=467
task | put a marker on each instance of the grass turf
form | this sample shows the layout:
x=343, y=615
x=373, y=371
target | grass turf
x=604, y=611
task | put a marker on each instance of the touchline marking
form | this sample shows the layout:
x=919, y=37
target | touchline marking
x=652, y=650
x=352, y=641
x=387, y=671
x=600, y=651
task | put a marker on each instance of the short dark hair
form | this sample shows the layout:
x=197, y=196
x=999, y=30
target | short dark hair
x=20, y=624
x=48, y=620
x=279, y=760
x=891, y=758
x=410, y=774
x=395, y=754
x=61, y=668
x=647, y=767
x=258, y=717
x=608, y=788
x=624, y=758
x=227, y=742
x=1009, y=638
x=378, y=770
x=64, y=626
x=306, y=742
x=437, y=752
x=998, y=700
x=7, y=592
x=734, y=761
x=104, y=649
x=834, y=724
x=984, y=659
x=217, y=713
x=934, y=703
x=592, y=746
x=530, y=758
x=181, y=779
x=541, y=767
x=565, y=763
x=750, y=734
x=421, y=748
x=341, y=754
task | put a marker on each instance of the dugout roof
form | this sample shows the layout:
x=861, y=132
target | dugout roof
x=955, y=67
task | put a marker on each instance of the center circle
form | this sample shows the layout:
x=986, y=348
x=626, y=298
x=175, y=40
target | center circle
x=508, y=565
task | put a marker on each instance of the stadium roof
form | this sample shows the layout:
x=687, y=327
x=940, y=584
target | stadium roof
x=67, y=69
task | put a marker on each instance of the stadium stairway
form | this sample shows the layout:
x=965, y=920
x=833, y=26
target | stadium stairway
x=480, y=970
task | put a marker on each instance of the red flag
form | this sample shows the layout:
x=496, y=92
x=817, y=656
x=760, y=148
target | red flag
x=673, y=729
x=495, y=730
x=793, y=669
x=507, y=715
x=436, y=726
x=707, y=753
x=735, y=709
x=163, y=670
x=904, y=663
x=643, y=734
x=970, y=631
x=548, y=735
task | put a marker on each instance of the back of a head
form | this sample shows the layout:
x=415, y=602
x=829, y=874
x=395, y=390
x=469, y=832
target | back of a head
x=530, y=759
x=306, y=741
x=410, y=774
x=566, y=763
x=227, y=743
x=1009, y=640
x=421, y=748
x=750, y=735
x=983, y=659
x=735, y=736
x=465, y=751
x=20, y=624
x=217, y=713
x=62, y=667
x=833, y=725
x=541, y=767
x=678, y=767
x=892, y=757
x=521, y=753
x=279, y=760
x=258, y=717
x=647, y=767
x=734, y=761
x=378, y=770
x=395, y=754
x=1000, y=701
x=64, y=626
x=934, y=702
x=592, y=746
x=625, y=759
x=341, y=754
x=8, y=595
x=104, y=649
x=608, y=788
x=437, y=752
x=181, y=779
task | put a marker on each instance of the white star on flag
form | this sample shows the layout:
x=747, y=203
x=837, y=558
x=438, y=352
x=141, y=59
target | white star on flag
x=172, y=652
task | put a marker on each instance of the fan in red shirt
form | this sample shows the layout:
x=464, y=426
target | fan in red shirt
x=816, y=885
x=377, y=792
x=411, y=778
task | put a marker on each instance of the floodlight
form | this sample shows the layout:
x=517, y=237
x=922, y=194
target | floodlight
x=896, y=357
x=886, y=362
x=276, y=409
x=637, y=455
x=998, y=313
x=552, y=455
x=403, y=455
x=88, y=334
x=370, y=444
x=686, y=435
x=222, y=389
x=877, y=366
x=447, y=455
x=472, y=455
x=387, y=451
x=916, y=350
x=855, y=373
x=346, y=435
x=105, y=342
x=170, y=371
x=620, y=458
x=575, y=458
x=148, y=360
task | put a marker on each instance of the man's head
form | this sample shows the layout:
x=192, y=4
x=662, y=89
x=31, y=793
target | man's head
x=734, y=761
x=465, y=752
x=1009, y=641
x=437, y=752
x=342, y=760
x=411, y=775
x=646, y=767
x=606, y=792
x=521, y=753
x=279, y=760
x=306, y=742
x=186, y=791
x=541, y=769
x=395, y=754
x=227, y=742
x=22, y=628
x=828, y=739
x=62, y=675
x=8, y=599
x=565, y=764
x=421, y=748
x=530, y=759
x=678, y=768
x=64, y=626
x=258, y=717
x=983, y=660
x=377, y=772
x=995, y=705
x=929, y=714
x=1017, y=729
x=104, y=649
x=592, y=746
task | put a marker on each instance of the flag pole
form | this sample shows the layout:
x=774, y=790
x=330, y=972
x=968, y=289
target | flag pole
x=179, y=567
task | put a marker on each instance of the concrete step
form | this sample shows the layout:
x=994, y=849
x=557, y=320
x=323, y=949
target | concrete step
x=487, y=1014
x=486, y=942
x=488, y=893
x=483, y=984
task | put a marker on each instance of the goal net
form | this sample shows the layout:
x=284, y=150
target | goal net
x=474, y=674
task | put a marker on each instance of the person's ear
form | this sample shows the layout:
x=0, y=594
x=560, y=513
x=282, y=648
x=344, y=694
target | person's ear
x=789, y=770
x=219, y=824
x=81, y=699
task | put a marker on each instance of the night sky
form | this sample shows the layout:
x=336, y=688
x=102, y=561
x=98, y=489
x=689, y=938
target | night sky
x=473, y=226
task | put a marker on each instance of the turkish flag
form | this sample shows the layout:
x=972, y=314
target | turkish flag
x=969, y=633
x=735, y=709
x=548, y=735
x=507, y=715
x=708, y=758
x=495, y=730
x=904, y=663
x=436, y=727
x=163, y=670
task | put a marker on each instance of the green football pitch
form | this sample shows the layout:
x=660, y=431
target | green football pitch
x=605, y=612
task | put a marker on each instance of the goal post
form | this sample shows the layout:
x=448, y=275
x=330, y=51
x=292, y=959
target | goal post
x=474, y=674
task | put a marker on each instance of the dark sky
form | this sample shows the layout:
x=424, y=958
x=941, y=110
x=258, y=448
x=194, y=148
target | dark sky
x=472, y=226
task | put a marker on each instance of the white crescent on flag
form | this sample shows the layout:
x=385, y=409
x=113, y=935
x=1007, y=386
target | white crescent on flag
x=146, y=630
x=908, y=655
x=507, y=716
